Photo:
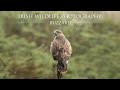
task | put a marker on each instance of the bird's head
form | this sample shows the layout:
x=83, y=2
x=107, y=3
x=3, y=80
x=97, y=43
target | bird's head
x=57, y=32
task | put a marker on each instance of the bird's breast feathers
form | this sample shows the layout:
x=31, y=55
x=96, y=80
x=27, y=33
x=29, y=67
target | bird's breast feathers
x=61, y=48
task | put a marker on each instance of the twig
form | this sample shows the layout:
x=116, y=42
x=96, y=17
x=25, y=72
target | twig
x=59, y=75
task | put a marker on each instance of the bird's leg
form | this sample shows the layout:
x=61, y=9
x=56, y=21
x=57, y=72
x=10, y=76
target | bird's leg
x=66, y=67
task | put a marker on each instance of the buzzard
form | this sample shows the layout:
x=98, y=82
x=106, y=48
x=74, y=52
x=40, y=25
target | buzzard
x=61, y=51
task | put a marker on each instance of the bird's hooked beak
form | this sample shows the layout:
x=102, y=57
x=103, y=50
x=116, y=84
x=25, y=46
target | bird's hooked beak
x=54, y=33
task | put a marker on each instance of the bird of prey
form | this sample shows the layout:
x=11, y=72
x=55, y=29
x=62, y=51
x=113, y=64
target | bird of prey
x=61, y=51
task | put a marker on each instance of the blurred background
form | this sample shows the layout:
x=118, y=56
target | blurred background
x=24, y=47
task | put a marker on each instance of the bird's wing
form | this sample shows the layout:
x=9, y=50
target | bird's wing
x=54, y=49
x=68, y=49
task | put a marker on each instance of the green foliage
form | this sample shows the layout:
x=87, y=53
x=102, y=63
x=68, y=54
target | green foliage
x=24, y=49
